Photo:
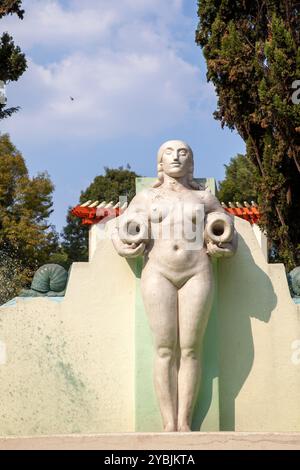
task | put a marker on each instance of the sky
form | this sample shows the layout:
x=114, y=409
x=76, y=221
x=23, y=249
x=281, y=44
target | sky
x=137, y=79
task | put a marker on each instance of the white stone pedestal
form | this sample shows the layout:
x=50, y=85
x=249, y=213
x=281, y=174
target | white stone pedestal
x=158, y=441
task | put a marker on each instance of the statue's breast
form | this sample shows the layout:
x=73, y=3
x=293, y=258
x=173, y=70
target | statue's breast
x=159, y=211
x=176, y=210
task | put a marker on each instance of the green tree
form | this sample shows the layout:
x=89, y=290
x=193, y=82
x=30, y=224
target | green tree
x=253, y=59
x=108, y=187
x=240, y=182
x=9, y=7
x=27, y=240
x=12, y=60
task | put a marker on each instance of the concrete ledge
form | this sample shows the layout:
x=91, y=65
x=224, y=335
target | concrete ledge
x=157, y=441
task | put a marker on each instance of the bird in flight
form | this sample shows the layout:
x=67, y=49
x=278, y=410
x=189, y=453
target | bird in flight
x=71, y=98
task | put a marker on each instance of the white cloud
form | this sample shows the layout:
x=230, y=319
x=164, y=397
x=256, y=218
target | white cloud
x=121, y=63
x=51, y=23
x=46, y=22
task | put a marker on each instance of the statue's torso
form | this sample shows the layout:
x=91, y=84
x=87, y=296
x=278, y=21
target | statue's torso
x=176, y=221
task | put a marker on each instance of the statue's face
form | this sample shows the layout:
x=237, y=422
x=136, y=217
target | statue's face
x=176, y=159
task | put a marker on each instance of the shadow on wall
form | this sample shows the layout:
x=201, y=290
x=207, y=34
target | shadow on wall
x=245, y=291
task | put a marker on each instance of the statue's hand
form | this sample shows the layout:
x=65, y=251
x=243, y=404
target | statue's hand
x=224, y=250
x=132, y=251
x=126, y=250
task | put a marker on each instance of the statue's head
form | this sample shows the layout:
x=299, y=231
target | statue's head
x=175, y=158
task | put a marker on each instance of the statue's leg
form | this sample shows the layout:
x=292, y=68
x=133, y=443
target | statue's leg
x=160, y=300
x=194, y=305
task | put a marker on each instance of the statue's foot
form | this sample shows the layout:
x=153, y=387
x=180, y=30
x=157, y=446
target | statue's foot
x=170, y=427
x=184, y=428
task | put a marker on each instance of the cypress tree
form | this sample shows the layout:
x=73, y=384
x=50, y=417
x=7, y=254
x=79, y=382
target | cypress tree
x=252, y=51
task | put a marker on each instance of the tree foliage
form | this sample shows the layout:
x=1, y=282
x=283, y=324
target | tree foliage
x=12, y=60
x=27, y=240
x=9, y=7
x=108, y=187
x=252, y=49
x=240, y=182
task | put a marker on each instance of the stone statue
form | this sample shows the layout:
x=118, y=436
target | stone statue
x=178, y=228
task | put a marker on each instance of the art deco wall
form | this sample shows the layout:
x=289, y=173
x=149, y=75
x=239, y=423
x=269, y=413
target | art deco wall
x=83, y=364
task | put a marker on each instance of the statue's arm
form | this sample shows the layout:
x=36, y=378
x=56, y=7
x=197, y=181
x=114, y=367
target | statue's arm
x=130, y=245
x=212, y=203
x=214, y=212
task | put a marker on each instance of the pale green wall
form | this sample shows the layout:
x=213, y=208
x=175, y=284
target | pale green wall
x=84, y=364
x=69, y=366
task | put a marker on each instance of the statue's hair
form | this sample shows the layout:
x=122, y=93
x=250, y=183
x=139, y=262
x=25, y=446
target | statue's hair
x=160, y=172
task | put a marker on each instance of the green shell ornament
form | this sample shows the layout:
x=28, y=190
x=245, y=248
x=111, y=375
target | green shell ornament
x=49, y=281
x=294, y=282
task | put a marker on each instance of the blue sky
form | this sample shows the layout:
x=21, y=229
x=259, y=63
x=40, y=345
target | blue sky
x=137, y=79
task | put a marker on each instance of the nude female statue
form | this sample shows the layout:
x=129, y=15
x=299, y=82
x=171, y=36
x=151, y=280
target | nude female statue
x=177, y=279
